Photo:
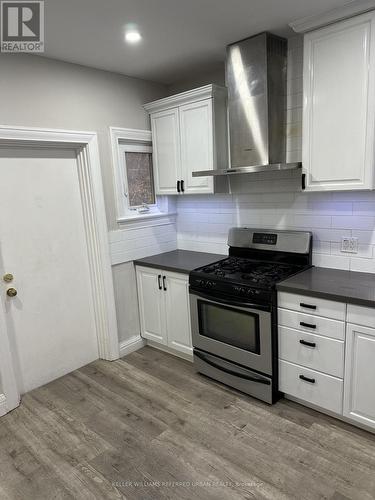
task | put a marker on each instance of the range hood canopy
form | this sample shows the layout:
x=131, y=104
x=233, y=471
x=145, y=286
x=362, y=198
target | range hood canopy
x=256, y=80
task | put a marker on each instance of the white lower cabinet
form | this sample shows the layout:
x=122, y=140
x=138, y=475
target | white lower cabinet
x=315, y=387
x=325, y=362
x=163, y=298
x=151, y=307
x=359, y=392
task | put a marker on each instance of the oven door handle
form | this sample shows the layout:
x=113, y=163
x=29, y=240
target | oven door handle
x=225, y=302
x=232, y=372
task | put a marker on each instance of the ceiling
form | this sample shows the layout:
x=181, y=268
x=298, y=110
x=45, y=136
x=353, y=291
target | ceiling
x=180, y=37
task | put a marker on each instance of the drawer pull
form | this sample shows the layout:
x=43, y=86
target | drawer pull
x=307, y=325
x=308, y=306
x=307, y=379
x=309, y=344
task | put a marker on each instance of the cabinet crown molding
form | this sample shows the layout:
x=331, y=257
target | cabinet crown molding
x=346, y=11
x=206, y=92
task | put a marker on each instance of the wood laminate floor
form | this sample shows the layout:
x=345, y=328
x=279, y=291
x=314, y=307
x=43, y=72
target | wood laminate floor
x=148, y=427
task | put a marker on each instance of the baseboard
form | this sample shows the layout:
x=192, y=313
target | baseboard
x=330, y=413
x=162, y=347
x=3, y=405
x=131, y=345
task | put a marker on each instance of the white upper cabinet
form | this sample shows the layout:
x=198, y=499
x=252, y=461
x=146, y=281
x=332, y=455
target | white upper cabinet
x=166, y=150
x=339, y=105
x=196, y=145
x=189, y=133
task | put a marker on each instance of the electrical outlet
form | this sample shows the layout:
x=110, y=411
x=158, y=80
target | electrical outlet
x=349, y=245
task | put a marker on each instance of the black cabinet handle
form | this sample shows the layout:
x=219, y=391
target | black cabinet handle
x=307, y=379
x=164, y=285
x=159, y=282
x=178, y=187
x=303, y=181
x=309, y=344
x=308, y=306
x=307, y=325
x=182, y=186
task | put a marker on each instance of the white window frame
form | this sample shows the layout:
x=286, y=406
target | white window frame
x=122, y=140
x=135, y=148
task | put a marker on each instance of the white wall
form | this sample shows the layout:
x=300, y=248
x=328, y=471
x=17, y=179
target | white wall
x=274, y=200
x=40, y=92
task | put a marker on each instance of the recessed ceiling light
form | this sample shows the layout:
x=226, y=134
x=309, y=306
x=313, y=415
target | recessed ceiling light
x=133, y=36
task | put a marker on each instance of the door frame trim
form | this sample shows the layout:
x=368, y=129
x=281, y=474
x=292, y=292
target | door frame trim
x=93, y=207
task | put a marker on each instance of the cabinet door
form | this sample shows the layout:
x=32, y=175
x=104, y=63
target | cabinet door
x=339, y=99
x=359, y=394
x=178, y=312
x=151, y=304
x=196, y=131
x=166, y=150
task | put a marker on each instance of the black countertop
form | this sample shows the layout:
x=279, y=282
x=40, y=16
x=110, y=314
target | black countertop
x=333, y=284
x=180, y=261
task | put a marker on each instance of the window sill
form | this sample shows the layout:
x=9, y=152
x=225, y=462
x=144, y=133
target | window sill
x=142, y=219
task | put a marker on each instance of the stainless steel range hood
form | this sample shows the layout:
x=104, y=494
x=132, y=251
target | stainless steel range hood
x=256, y=80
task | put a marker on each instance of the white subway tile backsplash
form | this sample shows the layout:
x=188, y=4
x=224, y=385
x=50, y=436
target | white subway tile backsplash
x=333, y=261
x=329, y=216
x=353, y=222
x=362, y=265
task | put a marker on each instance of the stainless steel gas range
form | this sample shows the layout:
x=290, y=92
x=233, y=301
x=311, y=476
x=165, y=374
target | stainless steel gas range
x=233, y=305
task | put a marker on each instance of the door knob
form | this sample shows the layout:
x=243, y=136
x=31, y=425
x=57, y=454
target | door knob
x=8, y=277
x=11, y=292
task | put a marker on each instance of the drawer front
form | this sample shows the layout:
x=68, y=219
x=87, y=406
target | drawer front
x=361, y=315
x=312, y=305
x=312, y=351
x=312, y=324
x=326, y=391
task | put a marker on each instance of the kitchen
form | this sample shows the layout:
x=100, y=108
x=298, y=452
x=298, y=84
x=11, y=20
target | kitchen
x=198, y=261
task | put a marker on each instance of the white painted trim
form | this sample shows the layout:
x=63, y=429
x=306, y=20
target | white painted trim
x=346, y=11
x=332, y=414
x=137, y=222
x=133, y=344
x=3, y=405
x=90, y=179
x=198, y=94
x=119, y=136
x=123, y=136
x=169, y=350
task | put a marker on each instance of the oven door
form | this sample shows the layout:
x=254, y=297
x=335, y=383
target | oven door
x=232, y=330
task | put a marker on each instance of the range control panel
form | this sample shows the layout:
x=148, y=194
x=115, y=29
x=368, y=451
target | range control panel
x=265, y=238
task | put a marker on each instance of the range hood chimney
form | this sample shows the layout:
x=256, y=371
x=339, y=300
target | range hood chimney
x=256, y=80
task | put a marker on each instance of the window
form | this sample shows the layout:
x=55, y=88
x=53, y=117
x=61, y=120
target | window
x=134, y=180
x=138, y=177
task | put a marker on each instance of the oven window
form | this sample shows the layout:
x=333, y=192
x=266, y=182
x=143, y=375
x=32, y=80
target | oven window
x=231, y=326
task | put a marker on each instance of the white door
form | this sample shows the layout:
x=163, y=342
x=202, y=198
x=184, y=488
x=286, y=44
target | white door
x=43, y=245
x=339, y=101
x=151, y=304
x=178, y=312
x=166, y=150
x=359, y=393
x=9, y=393
x=197, y=151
